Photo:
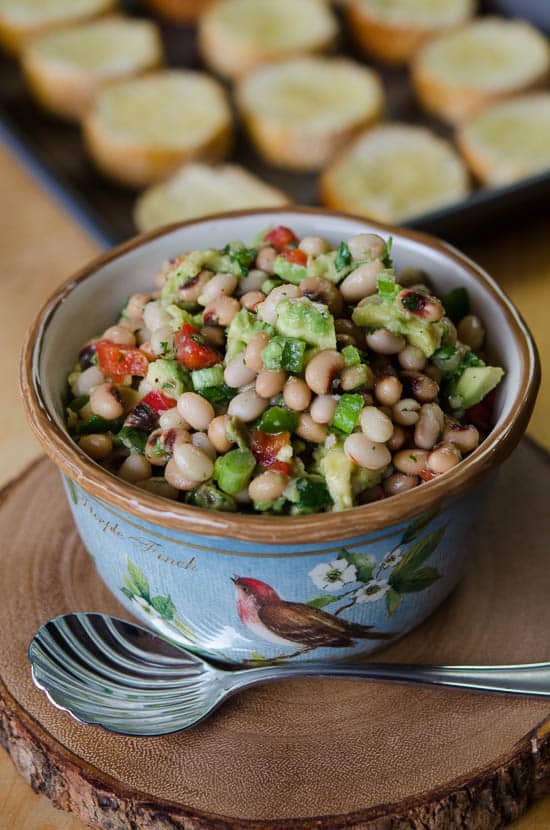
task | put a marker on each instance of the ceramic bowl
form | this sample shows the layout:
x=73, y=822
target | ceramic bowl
x=326, y=586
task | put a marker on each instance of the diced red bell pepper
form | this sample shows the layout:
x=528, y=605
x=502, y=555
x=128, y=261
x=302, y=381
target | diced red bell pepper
x=266, y=446
x=118, y=361
x=192, y=351
x=295, y=255
x=482, y=414
x=427, y=475
x=158, y=401
x=280, y=237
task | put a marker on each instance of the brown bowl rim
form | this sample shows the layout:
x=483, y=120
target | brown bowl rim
x=279, y=530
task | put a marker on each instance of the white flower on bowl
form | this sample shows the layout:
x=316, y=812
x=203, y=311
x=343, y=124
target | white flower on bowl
x=394, y=557
x=331, y=576
x=374, y=590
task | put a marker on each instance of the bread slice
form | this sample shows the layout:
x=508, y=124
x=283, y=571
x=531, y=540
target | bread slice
x=299, y=112
x=140, y=130
x=459, y=73
x=64, y=69
x=21, y=20
x=179, y=11
x=509, y=140
x=393, y=172
x=392, y=32
x=200, y=190
x=237, y=35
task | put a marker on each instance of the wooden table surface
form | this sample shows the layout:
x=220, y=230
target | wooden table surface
x=41, y=246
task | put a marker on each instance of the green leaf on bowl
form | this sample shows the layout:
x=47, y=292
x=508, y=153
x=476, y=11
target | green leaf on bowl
x=320, y=602
x=417, y=581
x=138, y=581
x=413, y=530
x=393, y=601
x=164, y=606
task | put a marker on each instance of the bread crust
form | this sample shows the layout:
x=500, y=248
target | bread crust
x=180, y=11
x=14, y=37
x=456, y=104
x=68, y=92
x=232, y=57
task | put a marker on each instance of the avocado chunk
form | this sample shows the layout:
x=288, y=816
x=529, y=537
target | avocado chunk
x=168, y=376
x=473, y=384
x=330, y=266
x=337, y=469
x=242, y=329
x=312, y=322
x=289, y=271
x=376, y=314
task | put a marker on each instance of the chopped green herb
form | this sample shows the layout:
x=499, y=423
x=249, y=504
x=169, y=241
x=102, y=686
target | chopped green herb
x=133, y=439
x=217, y=395
x=95, y=423
x=386, y=259
x=343, y=256
x=313, y=495
x=78, y=403
x=456, y=304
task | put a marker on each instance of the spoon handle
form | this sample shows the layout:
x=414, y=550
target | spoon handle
x=521, y=679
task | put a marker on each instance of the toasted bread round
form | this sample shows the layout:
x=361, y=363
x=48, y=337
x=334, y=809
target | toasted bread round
x=393, y=172
x=179, y=11
x=201, y=189
x=21, y=20
x=140, y=130
x=392, y=31
x=299, y=112
x=65, y=69
x=237, y=35
x=509, y=140
x=459, y=73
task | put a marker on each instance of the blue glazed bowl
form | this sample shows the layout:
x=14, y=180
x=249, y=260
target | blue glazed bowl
x=244, y=588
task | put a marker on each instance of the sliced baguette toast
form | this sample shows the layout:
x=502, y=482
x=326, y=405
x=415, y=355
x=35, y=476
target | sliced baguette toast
x=199, y=190
x=179, y=11
x=140, y=130
x=64, y=69
x=509, y=140
x=392, y=32
x=301, y=111
x=393, y=172
x=459, y=73
x=237, y=35
x=21, y=20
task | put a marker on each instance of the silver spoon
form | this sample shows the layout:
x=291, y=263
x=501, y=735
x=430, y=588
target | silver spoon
x=117, y=675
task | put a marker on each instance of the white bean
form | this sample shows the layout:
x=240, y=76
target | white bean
x=471, y=331
x=176, y=478
x=219, y=284
x=385, y=342
x=267, y=311
x=429, y=426
x=443, y=458
x=375, y=424
x=252, y=282
x=192, y=462
x=172, y=419
x=238, y=373
x=322, y=369
x=366, y=453
x=366, y=245
x=265, y=259
x=314, y=246
x=135, y=468
x=270, y=383
x=197, y=411
x=254, y=349
x=399, y=483
x=406, y=412
x=221, y=310
x=202, y=441
x=217, y=433
x=120, y=335
x=310, y=430
x=247, y=406
x=105, y=402
x=155, y=316
x=411, y=462
x=97, y=446
x=87, y=380
x=388, y=389
x=323, y=408
x=267, y=487
x=162, y=341
x=296, y=394
x=413, y=358
x=361, y=282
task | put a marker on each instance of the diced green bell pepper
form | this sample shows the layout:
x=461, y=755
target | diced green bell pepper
x=278, y=419
x=206, y=378
x=347, y=413
x=284, y=353
x=233, y=470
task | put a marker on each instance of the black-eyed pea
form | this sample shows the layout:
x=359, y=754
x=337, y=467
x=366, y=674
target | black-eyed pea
x=423, y=387
x=221, y=310
x=314, y=246
x=319, y=290
x=160, y=444
x=268, y=309
x=412, y=358
x=310, y=430
x=267, y=487
x=238, y=373
x=296, y=394
x=398, y=439
x=399, y=483
x=97, y=446
x=471, y=331
x=136, y=306
x=366, y=246
x=366, y=453
x=196, y=410
x=323, y=408
x=252, y=282
x=266, y=258
x=203, y=442
x=361, y=282
x=270, y=383
x=247, y=406
x=322, y=369
x=406, y=412
x=177, y=479
x=411, y=461
x=88, y=380
x=433, y=372
x=120, y=335
x=466, y=438
x=172, y=419
x=443, y=458
x=429, y=426
x=214, y=336
x=387, y=389
x=420, y=304
x=192, y=462
x=383, y=341
x=252, y=299
x=135, y=468
x=190, y=291
x=450, y=335
x=105, y=402
x=218, y=284
x=253, y=351
x=217, y=433
x=352, y=377
x=375, y=424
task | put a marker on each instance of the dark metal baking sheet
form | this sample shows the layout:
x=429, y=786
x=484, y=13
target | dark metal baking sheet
x=55, y=153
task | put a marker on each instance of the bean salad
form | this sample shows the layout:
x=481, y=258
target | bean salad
x=285, y=376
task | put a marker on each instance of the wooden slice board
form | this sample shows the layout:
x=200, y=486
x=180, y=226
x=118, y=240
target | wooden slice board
x=307, y=753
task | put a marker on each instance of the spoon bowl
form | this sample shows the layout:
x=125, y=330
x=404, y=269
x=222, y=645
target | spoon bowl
x=111, y=673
